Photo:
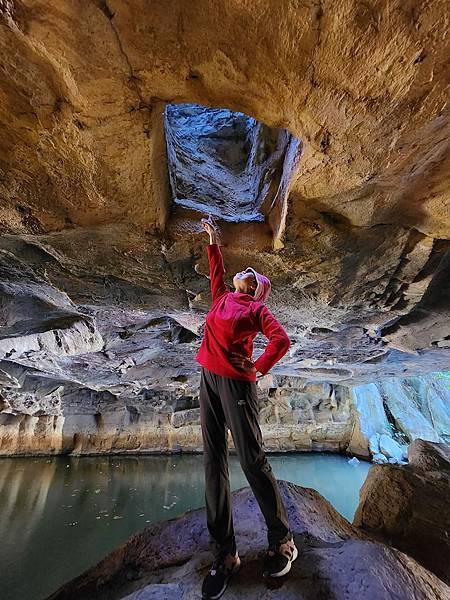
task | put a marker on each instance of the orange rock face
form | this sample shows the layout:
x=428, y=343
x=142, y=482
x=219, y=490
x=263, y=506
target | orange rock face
x=83, y=87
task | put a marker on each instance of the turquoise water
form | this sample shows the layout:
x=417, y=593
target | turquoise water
x=59, y=516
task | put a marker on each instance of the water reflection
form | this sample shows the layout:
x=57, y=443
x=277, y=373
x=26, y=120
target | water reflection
x=60, y=516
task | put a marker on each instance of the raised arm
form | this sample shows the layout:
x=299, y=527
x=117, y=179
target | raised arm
x=278, y=344
x=215, y=259
x=216, y=270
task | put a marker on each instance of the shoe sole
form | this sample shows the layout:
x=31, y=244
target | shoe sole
x=225, y=585
x=287, y=568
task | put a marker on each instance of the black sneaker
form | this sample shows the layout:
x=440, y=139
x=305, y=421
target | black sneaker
x=216, y=581
x=278, y=560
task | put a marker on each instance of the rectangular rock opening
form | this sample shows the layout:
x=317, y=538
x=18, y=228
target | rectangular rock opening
x=229, y=164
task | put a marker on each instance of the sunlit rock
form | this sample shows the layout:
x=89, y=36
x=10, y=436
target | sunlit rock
x=390, y=448
x=380, y=458
x=224, y=163
x=370, y=420
x=407, y=416
x=103, y=270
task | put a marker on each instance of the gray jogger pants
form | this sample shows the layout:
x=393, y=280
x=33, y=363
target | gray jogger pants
x=234, y=403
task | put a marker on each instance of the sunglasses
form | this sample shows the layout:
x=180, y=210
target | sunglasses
x=250, y=271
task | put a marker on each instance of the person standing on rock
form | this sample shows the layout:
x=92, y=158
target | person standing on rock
x=228, y=397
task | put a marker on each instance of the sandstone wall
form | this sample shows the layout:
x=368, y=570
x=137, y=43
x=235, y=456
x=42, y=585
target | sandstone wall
x=37, y=416
x=364, y=86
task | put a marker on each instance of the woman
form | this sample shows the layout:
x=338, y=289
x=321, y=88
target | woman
x=228, y=397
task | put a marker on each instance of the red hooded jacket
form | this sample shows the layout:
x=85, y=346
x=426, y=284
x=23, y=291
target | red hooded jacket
x=232, y=323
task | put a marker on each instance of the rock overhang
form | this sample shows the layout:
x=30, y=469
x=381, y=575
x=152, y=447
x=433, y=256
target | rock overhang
x=363, y=240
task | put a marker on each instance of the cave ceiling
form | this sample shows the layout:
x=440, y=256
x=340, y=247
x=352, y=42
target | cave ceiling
x=355, y=231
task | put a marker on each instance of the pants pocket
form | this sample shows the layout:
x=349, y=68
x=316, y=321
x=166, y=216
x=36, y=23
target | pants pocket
x=247, y=395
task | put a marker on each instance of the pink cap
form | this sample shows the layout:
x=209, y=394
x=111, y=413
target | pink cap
x=264, y=286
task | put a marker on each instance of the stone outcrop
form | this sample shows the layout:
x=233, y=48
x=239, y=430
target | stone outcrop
x=405, y=414
x=136, y=395
x=408, y=507
x=370, y=420
x=336, y=560
x=392, y=412
x=432, y=398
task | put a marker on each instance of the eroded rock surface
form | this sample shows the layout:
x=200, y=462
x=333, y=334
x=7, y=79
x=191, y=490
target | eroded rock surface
x=104, y=286
x=408, y=506
x=336, y=560
x=108, y=365
x=225, y=163
x=364, y=87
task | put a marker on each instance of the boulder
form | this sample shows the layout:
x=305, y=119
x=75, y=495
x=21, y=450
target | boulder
x=433, y=390
x=374, y=443
x=370, y=420
x=408, y=506
x=380, y=458
x=429, y=456
x=336, y=560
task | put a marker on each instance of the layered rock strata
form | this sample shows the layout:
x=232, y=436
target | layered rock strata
x=103, y=287
x=108, y=364
x=126, y=398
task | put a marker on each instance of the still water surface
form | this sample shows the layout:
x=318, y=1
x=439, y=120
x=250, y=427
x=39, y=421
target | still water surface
x=59, y=516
